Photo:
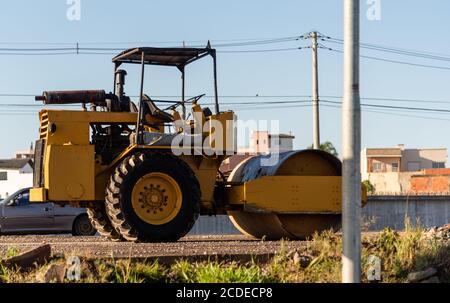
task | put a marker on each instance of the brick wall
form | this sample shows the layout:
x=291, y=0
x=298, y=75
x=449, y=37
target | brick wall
x=430, y=184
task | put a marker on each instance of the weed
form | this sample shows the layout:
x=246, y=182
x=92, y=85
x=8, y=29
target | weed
x=12, y=252
x=400, y=253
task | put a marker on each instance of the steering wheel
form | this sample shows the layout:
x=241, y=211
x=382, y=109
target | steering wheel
x=190, y=100
x=194, y=99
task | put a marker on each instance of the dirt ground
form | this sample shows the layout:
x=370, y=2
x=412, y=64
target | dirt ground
x=194, y=246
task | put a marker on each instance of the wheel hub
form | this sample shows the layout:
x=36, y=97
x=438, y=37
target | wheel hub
x=153, y=198
x=156, y=198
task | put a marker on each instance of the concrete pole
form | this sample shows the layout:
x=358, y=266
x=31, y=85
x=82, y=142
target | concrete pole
x=315, y=92
x=351, y=146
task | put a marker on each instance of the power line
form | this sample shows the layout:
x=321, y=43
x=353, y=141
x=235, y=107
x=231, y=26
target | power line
x=391, y=113
x=176, y=96
x=263, y=105
x=38, y=54
x=396, y=107
x=258, y=96
x=389, y=60
x=81, y=51
x=405, y=115
x=398, y=51
x=177, y=42
x=279, y=102
x=37, y=49
x=260, y=42
x=262, y=50
x=389, y=48
x=104, y=50
x=272, y=107
x=396, y=99
x=18, y=113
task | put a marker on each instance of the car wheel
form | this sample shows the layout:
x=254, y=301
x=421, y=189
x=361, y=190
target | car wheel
x=82, y=226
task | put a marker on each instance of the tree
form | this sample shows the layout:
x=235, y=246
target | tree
x=370, y=188
x=328, y=147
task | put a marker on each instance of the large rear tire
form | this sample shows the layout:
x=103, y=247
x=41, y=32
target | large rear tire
x=153, y=197
x=101, y=222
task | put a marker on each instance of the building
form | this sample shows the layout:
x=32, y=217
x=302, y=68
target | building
x=25, y=154
x=390, y=170
x=262, y=142
x=399, y=159
x=14, y=175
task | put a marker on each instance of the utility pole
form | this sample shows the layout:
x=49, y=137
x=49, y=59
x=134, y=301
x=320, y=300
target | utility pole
x=351, y=146
x=315, y=91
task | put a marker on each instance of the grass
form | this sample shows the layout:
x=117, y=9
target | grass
x=11, y=252
x=214, y=272
x=400, y=253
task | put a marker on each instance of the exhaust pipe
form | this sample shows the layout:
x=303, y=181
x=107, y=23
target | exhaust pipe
x=96, y=97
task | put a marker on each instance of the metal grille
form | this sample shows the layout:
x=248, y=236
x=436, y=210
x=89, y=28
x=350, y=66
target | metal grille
x=44, y=125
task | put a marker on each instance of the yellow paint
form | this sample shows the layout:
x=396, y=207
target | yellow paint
x=288, y=194
x=199, y=116
x=38, y=194
x=222, y=133
x=156, y=198
x=72, y=127
x=205, y=170
x=363, y=195
x=69, y=172
x=69, y=167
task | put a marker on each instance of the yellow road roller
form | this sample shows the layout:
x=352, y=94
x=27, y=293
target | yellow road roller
x=147, y=169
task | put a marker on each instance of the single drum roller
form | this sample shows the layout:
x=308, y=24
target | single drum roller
x=275, y=225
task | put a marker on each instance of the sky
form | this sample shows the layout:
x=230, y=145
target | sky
x=408, y=24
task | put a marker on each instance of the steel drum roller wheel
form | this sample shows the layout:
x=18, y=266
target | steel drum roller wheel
x=292, y=226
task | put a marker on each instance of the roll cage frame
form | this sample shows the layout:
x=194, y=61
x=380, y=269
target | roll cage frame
x=178, y=57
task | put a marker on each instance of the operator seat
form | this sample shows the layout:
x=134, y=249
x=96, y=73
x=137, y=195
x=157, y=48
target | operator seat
x=151, y=108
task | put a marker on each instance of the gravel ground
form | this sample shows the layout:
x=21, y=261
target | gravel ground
x=197, y=247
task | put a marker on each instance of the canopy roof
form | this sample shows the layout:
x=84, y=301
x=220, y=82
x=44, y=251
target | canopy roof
x=169, y=56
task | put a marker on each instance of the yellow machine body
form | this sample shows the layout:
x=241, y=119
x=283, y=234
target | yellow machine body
x=67, y=164
x=72, y=173
x=288, y=194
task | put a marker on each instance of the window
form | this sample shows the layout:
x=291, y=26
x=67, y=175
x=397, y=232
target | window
x=24, y=199
x=394, y=167
x=438, y=165
x=3, y=175
x=376, y=167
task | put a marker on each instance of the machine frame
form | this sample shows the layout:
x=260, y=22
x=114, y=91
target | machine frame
x=176, y=57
